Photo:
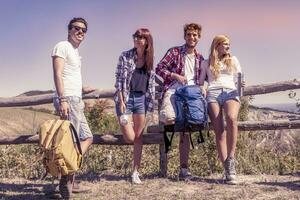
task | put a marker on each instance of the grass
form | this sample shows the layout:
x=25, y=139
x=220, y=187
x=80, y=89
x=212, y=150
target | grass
x=24, y=160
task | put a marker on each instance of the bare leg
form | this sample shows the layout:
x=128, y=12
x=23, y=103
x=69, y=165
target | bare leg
x=128, y=132
x=85, y=144
x=184, y=150
x=231, y=110
x=139, y=125
x=216, y=117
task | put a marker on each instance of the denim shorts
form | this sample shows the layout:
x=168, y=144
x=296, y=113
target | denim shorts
x=136, y=104
x=76, y=116
x=221, y=95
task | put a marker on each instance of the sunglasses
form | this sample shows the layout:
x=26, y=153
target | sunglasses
x=77, y=28
x=138, y=37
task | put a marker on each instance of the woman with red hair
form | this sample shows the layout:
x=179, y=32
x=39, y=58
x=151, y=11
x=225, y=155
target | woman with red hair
x=135, y=93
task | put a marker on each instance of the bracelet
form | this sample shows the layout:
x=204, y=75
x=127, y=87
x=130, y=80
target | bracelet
x=62, y=99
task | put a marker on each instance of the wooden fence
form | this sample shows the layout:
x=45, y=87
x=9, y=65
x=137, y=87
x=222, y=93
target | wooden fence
x=154, y=133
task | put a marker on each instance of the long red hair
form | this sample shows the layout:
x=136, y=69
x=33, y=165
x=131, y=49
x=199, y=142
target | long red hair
x=149, y=50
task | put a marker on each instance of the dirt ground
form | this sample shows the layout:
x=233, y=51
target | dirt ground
x=110, y=186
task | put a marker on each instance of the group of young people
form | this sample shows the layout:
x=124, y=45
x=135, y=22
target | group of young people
x=135, y=91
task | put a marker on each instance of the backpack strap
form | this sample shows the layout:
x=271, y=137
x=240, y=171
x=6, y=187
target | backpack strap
x=191, y=141
x=76, y=138
x=200, y=137
x=167, y=142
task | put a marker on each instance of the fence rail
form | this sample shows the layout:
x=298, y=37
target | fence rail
x=48, y=98
x=153, y=135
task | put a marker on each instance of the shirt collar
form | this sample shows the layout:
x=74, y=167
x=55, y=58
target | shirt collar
x=184, y=50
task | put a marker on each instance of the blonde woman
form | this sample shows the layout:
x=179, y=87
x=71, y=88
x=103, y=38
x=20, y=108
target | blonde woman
x=222, y=97
x=135, y=92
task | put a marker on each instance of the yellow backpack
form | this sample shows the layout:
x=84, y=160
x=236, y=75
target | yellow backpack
x=61, y=155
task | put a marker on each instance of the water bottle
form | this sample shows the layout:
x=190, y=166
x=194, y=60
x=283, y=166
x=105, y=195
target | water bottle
x=124, y=120
x=240, y=80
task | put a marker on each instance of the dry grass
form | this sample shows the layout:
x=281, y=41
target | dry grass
x=20, y=121
x=110, y=186
x=22, y=161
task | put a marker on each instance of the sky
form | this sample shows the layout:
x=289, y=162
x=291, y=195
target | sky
x=264, y=37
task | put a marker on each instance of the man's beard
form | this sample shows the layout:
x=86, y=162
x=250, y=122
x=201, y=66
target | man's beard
x=191, y=46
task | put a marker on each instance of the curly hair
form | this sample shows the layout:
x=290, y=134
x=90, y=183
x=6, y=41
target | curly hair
x=194, y=27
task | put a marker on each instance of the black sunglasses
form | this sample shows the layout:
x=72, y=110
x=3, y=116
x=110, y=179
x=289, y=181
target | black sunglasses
x=77, y=28
x=138, y=37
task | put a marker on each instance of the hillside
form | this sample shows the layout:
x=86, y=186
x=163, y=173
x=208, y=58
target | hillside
x=279, y=140
x=21, y=121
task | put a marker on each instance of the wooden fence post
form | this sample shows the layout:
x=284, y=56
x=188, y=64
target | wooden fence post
x=163, y=160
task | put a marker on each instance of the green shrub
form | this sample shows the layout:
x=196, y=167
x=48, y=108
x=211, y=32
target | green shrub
x=100, y=121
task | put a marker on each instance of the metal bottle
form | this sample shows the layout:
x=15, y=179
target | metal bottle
x=240, y=80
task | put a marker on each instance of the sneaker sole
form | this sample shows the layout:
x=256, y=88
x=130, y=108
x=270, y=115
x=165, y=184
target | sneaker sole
x=231, y=182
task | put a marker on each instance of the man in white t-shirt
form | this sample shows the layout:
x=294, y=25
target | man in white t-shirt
x=68, y=97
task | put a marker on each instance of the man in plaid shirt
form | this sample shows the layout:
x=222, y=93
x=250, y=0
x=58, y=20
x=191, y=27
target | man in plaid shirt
x=180, y=66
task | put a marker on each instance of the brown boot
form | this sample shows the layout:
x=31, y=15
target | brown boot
x=65, y=186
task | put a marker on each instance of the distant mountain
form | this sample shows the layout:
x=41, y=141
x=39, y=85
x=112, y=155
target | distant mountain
x=19, y=121
x=35, y=92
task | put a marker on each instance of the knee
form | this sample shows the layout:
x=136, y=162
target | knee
x=231, y=120
x=128, y=139
x=88, y=141
x=91, y=140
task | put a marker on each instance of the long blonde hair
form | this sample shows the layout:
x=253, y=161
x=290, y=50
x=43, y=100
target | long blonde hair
x=214, y=61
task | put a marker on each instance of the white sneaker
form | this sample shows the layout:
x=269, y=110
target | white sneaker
x=135, y=179
x=230, y=172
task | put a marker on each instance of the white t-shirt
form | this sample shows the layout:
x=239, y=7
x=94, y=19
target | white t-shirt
x=189, y=72
x=189, y=69
x=71, y=74
x=225, y=79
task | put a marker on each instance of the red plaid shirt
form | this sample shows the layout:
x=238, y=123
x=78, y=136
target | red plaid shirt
x=174, y=61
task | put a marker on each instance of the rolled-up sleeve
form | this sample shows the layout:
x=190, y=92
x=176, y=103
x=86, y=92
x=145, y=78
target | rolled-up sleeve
x=164, y=66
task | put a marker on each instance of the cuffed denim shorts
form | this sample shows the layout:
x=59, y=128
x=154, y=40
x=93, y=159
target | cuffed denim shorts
x=136, y=104
x=76, y=116
x=222, y=95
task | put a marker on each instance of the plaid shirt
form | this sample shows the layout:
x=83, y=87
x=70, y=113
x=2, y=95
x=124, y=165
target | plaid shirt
x=125, y=69
x=174, y=61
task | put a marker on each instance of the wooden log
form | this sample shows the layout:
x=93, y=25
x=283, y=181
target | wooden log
x=272, y=87
x=163, y=160
x=268, y=125
x=151, y=138
x=249, y=125
x=48, y=98
x=154, y=135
